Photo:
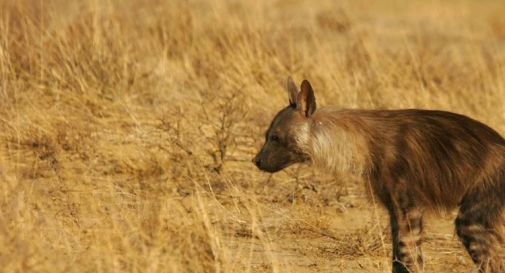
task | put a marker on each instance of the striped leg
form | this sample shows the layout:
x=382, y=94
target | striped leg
x=475, y=229
x=406, y=228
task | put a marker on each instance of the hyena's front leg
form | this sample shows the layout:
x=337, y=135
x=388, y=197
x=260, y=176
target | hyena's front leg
x=406, y=228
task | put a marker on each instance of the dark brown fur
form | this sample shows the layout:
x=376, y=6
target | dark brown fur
x=413, y=160
x=433, y=159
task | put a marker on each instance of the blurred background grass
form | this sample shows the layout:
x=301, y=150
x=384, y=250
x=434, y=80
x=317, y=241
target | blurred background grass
x=127, y=128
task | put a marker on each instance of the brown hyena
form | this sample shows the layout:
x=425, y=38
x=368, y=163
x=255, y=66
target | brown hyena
x=412, y=161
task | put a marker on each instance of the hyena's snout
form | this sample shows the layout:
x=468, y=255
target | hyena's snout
x=270, y=161
x=261, y=161
x=257, y=161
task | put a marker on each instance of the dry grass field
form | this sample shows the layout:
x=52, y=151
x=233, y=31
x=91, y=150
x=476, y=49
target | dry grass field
x=127, y=128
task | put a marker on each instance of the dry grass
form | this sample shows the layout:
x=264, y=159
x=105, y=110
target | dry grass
x=127, y=128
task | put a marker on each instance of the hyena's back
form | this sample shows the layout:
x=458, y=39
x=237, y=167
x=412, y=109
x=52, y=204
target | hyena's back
x=435, y=157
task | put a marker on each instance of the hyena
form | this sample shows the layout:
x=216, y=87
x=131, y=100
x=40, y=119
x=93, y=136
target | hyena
x=411, y=160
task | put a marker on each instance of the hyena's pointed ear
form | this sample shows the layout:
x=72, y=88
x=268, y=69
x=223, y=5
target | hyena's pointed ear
x=306, y=101
x=292, y=91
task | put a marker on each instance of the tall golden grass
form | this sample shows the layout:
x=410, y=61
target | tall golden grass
x=127, y=128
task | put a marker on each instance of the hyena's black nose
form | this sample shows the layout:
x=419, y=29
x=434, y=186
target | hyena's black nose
x=257, y=161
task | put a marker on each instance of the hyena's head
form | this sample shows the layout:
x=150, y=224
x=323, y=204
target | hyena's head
x=289, y=133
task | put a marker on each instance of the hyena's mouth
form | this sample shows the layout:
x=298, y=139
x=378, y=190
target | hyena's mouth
x=274, y=169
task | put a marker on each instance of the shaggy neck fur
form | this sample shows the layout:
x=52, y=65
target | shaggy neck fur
x=335, y=143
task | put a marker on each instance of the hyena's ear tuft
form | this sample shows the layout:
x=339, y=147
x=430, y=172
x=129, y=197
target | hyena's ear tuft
x=292, y=91
x=306, y=101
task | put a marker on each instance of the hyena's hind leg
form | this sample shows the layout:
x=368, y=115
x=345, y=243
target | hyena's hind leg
x=406, y=229
x=477, y=226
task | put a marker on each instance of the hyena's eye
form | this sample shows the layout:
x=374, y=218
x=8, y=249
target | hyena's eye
x=275, y=138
